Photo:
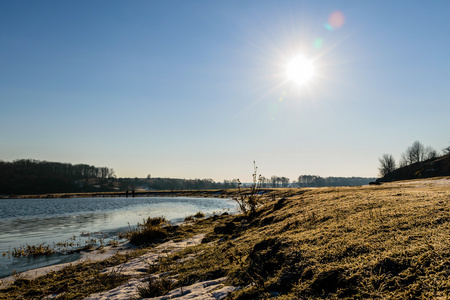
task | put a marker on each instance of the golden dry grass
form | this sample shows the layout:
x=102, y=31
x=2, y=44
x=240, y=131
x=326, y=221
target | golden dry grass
x=390, y=241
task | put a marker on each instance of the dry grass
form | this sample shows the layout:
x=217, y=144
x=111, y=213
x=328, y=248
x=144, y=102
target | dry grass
x=73, y=282
x=155, y=287
x=389, y=241
x=372, y=242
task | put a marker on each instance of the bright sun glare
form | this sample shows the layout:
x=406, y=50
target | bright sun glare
x=300, y=70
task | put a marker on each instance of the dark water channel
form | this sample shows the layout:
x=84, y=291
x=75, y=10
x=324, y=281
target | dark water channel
x=50, y=221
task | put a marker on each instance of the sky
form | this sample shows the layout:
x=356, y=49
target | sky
x=198, y=89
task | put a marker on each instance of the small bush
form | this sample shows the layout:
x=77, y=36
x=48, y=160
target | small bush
x=199, y=215
x=154, y=221
x=149, y=231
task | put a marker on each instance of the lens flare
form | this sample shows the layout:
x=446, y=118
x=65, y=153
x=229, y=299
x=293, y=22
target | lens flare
x=318, y=43
x=335, y=20
x=300, y=70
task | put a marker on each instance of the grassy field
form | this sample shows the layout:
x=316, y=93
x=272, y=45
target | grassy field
x=389, y=241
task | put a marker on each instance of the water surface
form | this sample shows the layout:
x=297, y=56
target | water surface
x=36, y=221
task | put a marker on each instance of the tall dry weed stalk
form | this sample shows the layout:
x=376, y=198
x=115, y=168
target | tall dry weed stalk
x=248, y=202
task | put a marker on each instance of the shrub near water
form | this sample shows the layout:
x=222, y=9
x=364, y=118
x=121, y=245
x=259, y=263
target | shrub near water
x=199, y=215
x=149, y=231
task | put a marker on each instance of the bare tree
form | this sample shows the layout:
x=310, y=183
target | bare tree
x=417, y=151
x=413, y=154
x=284, y=181
x=406, y=159
x=430, y=153
x=274, y=181
x=446, y=150
x=387, y=164
x=265, y=182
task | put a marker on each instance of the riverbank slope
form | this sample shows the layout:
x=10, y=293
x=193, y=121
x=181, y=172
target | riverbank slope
x=387, y=241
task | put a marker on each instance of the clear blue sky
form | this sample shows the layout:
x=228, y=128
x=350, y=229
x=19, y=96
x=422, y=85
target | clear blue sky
x=197, y=89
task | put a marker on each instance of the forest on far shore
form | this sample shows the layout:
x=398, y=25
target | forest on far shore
x=29, y=176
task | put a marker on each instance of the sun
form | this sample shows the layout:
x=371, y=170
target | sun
x=300, y=70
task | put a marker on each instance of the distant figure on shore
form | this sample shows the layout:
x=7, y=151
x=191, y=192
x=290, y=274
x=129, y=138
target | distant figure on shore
x=132, y=193
x=126, y=193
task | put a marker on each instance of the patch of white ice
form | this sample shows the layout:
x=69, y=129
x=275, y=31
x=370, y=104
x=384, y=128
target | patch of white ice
x=205, y=290
x=140, y=265
x=125, y=291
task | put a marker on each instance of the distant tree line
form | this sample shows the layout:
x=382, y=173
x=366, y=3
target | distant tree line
x=31, y=167
x=264, y=182
x=317, y=181
x=173, y=184
x=274, y=182
x=415, y=153
x=312, y=181
x=29, y=176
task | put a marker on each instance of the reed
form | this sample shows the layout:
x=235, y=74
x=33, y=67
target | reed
x=30, y=250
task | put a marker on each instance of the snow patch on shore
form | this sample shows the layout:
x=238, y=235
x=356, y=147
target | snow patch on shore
x=139, y=266
x=206, y=290
x=125, y=291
